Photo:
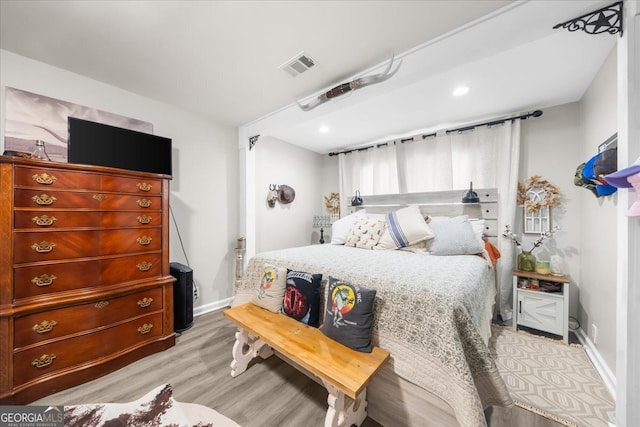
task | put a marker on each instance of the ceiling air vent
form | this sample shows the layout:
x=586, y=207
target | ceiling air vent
x=298, y=64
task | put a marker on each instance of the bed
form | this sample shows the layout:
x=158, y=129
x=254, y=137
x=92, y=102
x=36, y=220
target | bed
x=432, y=313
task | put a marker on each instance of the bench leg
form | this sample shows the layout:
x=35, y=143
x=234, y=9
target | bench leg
x=343, y=411
x=245, y=349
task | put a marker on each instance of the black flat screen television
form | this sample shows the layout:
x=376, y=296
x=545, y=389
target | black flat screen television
x=92, y=143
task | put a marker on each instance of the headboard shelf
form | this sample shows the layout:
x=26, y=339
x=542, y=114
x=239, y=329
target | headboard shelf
x=440, y=203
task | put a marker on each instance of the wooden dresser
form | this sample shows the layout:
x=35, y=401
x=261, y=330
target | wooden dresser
x=84, y=274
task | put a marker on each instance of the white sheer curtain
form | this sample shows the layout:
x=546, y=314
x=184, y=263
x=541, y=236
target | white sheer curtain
x=488, y=157
x=373, y=171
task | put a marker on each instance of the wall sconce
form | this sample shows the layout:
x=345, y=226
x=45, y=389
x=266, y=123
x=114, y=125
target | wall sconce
x=470, y=196
x=321, y=222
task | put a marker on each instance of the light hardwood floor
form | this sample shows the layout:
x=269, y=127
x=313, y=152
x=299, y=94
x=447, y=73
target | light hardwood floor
x=269, y=393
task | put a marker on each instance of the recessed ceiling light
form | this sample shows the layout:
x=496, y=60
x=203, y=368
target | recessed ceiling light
x=323, y=129
x=460, y=90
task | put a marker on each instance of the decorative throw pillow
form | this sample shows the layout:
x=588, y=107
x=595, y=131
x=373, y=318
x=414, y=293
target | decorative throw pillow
x=404, y=227
x=270, y=291
x=302, y=297
x=365, y=233
x=348, y=316
x=341, y=228
x=454, y=236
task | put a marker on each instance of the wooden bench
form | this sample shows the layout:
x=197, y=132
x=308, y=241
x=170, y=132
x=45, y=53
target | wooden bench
x=343, y=371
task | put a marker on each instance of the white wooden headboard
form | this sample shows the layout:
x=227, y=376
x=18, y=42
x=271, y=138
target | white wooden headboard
x=441, y=203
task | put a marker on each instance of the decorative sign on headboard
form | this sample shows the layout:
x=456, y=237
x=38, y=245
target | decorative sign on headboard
x=30, y=117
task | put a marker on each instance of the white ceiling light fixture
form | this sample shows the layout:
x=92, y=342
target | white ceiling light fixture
x=323, y=129
x=460, y=90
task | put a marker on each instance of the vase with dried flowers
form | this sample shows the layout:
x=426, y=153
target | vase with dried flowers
x=526, y=260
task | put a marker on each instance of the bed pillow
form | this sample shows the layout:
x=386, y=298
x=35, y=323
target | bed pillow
x=348, y=314
x=478, y=228
x=365, y=233
x=341, y=228
x=404, y=227
x=270, y=291
x=454, y=236
x=302, y=297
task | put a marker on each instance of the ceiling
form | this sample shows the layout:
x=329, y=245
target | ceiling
x=221, y=59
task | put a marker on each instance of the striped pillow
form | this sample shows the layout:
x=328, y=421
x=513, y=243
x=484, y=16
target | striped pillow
x=404, y=227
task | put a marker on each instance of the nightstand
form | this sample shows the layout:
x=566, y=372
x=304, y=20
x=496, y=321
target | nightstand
x=537, y=308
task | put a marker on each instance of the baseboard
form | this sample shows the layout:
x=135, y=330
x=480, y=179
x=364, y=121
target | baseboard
x=594, y=355
x=212, y=306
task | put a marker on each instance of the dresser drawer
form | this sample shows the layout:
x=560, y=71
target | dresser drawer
x=55, y=245
x=49, y=358
x=43, y=279
x=139, y=202
x=79, y=219
x=131, y=185
x=53, y=178
x=43, y=219
x=61, y=199
x=58, y=323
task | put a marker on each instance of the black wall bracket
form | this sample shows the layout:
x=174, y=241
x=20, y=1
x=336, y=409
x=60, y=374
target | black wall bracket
x=605, y=20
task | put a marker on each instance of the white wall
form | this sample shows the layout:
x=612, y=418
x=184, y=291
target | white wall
x=598, y=116
x=204, y=196
x=310, y=174
x=553, y=146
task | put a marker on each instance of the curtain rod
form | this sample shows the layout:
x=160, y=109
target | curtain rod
x=536, y=113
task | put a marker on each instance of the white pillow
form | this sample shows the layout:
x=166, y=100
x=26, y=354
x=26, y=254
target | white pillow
x=478, y=228
x=341, y=228
x=404, y=227
x=454, y=236
x=365, y=233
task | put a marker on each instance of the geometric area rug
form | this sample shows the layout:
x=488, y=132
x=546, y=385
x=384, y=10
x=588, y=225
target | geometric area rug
x=551, y=378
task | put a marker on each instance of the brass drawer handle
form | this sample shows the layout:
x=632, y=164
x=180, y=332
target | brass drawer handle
x=44, y=220
x=99, y=197
x=145, y=329
x=144, y=240
x=144, y=203
x=43, y=280
x=43, y=247
x=144, y=266
x=44, y=360
x=144, y=219
x=145, y=302
x=44, y=178
x=143, y=186
x=44, y=327
x=101, y=304
x=44, y=199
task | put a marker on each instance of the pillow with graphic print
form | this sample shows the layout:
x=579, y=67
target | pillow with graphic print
x=454, y=236
x=348, y=315
x=404, y=227
x=302, y=297
x=270, y=291
x=365, y=233
x=340, y=229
